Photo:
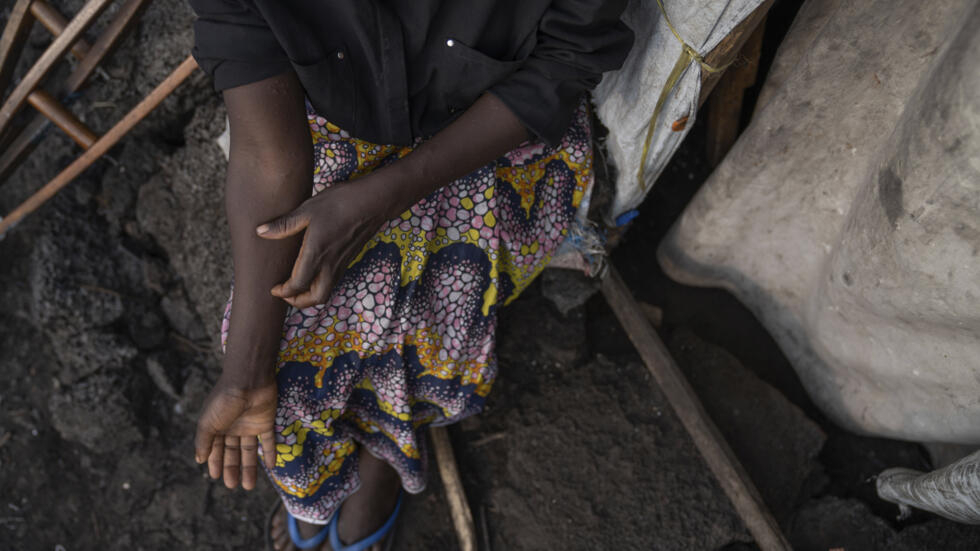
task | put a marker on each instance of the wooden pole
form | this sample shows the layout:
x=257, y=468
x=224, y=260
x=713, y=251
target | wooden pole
x=725, y=103
x=105, y=43
x=24, y=142
x=459, y=508
x=12, y=41
x=723, y=464
x=103, y=144
x=46, y=62
x=62, y=118
x=728, y=48
x=55, y=23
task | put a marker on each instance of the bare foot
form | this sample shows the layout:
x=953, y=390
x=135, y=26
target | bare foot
x=361, y=514
x=365, y=511
x=280, y=533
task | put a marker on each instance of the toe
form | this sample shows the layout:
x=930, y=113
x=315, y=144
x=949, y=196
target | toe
x=280, y=534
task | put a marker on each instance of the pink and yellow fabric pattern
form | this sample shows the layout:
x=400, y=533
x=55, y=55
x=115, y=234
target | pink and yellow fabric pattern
x=407, y=337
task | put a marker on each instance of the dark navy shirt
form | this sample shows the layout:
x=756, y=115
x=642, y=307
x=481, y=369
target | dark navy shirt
x=389, y=71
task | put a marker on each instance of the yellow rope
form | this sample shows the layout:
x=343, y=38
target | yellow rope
x=687, y=47
x=688, y=54
x=682, y=62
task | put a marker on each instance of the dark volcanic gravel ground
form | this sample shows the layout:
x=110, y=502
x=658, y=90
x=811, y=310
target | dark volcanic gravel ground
x=110, y=297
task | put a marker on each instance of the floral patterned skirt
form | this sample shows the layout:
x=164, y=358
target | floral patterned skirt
x=407, y=336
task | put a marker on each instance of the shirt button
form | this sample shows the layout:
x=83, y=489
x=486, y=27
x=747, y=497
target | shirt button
x=340, y=55
x=450, y=43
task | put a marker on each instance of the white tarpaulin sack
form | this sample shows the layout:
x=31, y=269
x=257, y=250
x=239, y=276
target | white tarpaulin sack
x=659, y=83
x=661, y=70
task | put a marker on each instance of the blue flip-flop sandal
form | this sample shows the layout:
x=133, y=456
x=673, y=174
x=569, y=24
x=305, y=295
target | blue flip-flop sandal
x=330, y=531
x=374, y=538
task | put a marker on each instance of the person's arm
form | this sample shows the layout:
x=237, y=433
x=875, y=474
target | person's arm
x=342, y=218
x=482, y=134
x=270, y=171
x=576, y=42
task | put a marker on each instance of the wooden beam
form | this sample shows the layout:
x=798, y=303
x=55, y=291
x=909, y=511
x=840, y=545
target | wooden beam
x=719, y=457
x=12, y=40
x=101, y=146
x=62, y=118
x=58, y=48
x=728, y=48
x=55, y=23
x=725, y=104
x=459, y=508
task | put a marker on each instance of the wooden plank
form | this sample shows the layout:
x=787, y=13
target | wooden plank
x=728, y=48
x=459, y=508
x=101, y=146
x=55, y=23
x=12, y=40
x=725, y=103
x=62, y=118
x=86, y=16
x=719, y=457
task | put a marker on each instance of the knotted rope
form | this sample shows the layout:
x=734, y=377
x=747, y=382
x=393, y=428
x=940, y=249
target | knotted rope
x=688, y=54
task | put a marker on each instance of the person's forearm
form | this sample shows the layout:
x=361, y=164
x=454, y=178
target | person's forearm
x=257, y=316
x=341, y=219
x=487, y=130
x=269, y=173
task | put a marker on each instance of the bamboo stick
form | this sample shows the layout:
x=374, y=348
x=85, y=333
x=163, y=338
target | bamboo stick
x=459, y=508
x=723, y=464
x=103, y=144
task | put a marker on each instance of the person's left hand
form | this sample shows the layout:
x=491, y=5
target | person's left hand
x=232, y=422
x=338, y=222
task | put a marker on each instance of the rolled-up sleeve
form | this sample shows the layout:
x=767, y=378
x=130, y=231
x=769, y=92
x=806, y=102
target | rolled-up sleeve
x=233, y=43
x=577, y=41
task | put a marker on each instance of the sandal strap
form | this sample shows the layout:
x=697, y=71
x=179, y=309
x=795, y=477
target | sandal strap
x=367, y=542
x=298, y=540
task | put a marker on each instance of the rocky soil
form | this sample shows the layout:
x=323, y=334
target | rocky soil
x=110, y=300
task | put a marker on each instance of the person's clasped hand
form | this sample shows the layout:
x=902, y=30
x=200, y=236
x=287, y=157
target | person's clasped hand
x=338, y=222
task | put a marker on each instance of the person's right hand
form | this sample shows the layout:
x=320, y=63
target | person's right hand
x=232, y=423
